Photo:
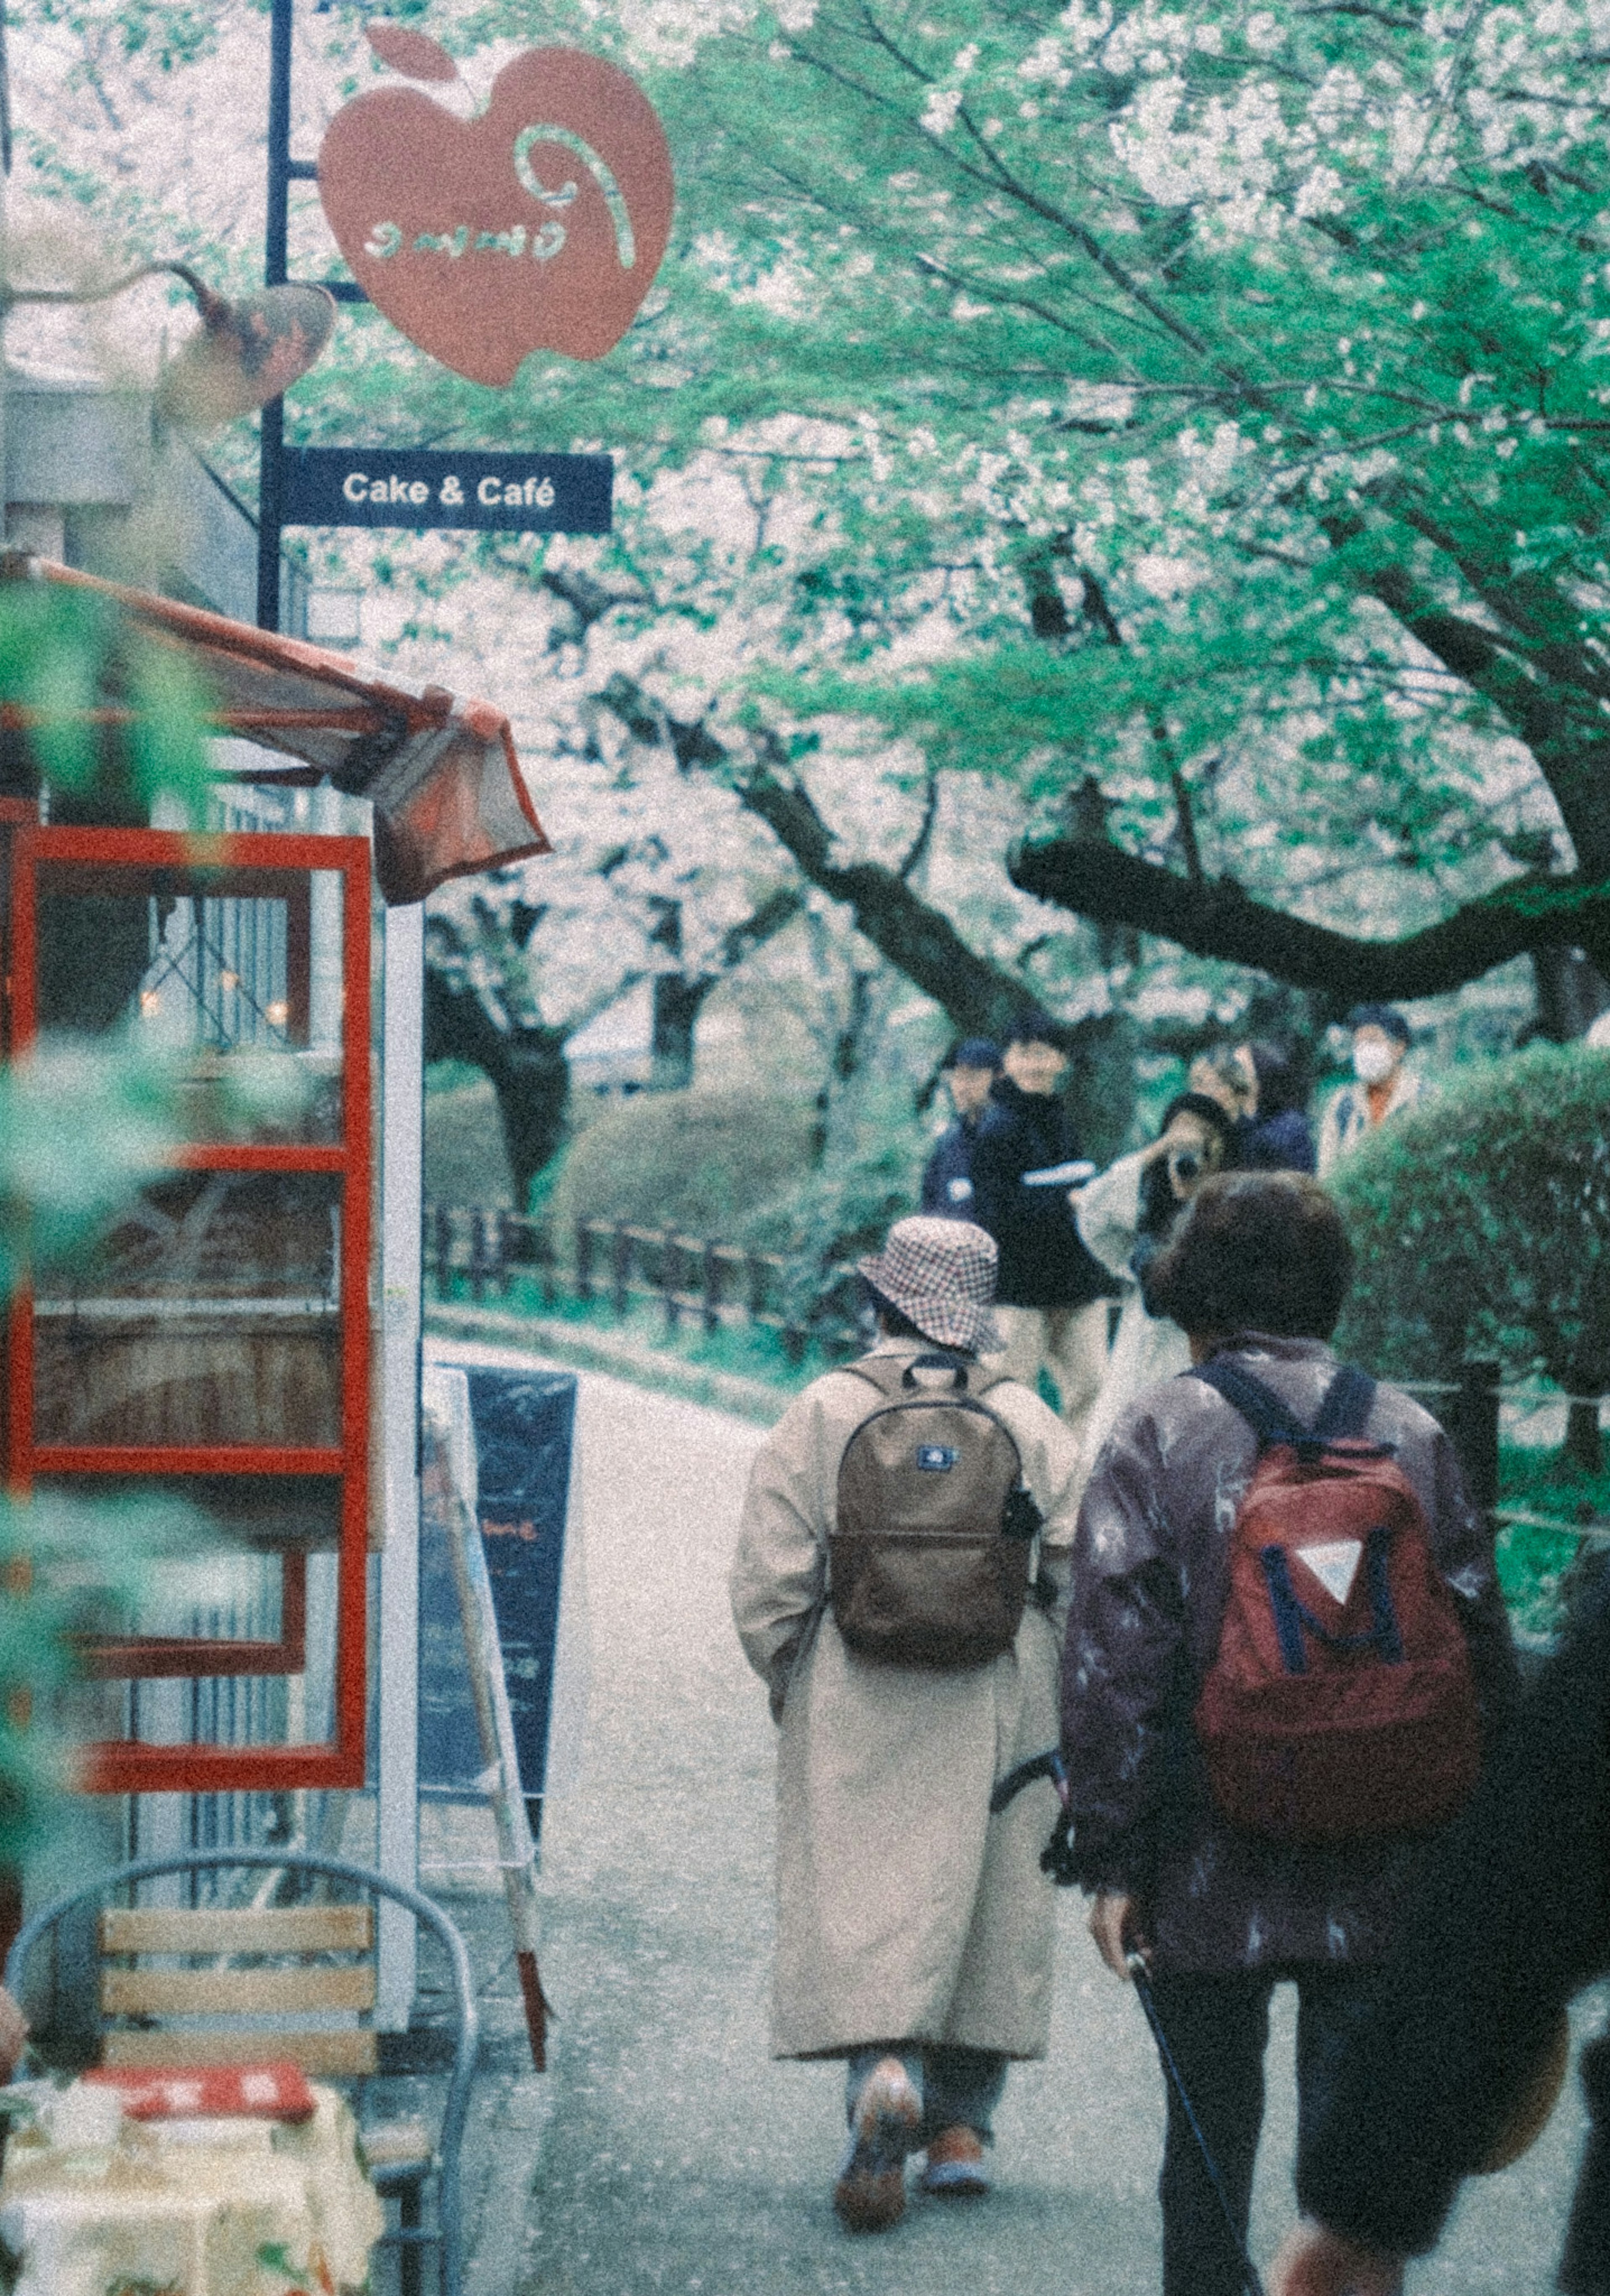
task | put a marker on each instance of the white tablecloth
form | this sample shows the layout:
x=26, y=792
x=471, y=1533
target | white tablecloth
x=223, y=2208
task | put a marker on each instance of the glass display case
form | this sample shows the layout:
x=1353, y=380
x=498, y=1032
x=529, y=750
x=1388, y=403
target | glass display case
x=210, y=1350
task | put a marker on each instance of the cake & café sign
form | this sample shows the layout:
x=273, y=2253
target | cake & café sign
x=408, y=486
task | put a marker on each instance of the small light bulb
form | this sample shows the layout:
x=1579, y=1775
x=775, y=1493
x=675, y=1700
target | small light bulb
x=149, y=1003
x=278, y=1012
x=229, y=980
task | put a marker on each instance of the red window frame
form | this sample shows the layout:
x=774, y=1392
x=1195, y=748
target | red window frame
x=132, y=1765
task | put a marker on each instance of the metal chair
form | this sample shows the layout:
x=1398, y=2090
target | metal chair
x=213, y=1931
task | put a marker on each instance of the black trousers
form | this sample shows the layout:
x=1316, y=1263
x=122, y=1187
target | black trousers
x=1218, y=2028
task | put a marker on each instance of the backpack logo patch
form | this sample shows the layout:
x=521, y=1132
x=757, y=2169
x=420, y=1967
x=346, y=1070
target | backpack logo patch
x=936, y=1459
x=1335, y=1565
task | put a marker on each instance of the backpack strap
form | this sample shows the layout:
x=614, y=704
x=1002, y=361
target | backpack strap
x=1343, y=1413
x=1347, y=1403
x=892, y=1374
x=1269, y=1416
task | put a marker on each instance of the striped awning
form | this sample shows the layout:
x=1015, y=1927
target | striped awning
x=441, y=773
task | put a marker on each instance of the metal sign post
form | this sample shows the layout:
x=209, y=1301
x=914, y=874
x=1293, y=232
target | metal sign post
x=487, y=493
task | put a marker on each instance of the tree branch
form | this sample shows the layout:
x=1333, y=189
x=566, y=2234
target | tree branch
x=981, y=999
x=1215, y=918
x=918, y=851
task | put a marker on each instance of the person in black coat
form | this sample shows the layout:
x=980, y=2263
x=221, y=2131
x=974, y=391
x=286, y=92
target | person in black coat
x=1051, y=1295
x=969, y=1074
x=1511, y=1918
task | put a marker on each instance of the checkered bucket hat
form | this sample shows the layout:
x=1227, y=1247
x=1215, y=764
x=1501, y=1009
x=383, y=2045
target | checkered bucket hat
x=941, y=1273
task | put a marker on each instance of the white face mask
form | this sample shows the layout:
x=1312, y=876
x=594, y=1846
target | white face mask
x=1373, y=1061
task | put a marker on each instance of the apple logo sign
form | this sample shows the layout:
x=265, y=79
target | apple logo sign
x=537, y=225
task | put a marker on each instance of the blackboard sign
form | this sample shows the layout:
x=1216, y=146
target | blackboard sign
x=406, y=486
x=524, y=1429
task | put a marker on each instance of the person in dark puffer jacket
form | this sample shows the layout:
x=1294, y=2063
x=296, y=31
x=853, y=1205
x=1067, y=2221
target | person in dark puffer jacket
x=1051, y=1300
x=1509, y=1920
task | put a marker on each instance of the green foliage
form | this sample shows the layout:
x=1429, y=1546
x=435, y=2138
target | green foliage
x=1536, y=1559
x=465, y=1160
x=839, y=1208
x=167, y=33
x=81, y=1124
x=700, y=1162
x=1482, y=1222
x=62, y=651
x=1200, y=395
x=580, y=1330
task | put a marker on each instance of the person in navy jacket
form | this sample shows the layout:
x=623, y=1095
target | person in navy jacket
x=948, y=1179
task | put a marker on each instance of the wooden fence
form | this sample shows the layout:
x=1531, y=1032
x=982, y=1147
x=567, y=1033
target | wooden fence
x=692, y=1278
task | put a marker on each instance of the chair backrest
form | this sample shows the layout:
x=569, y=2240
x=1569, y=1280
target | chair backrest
x=326, y=1978
x=316, y=1983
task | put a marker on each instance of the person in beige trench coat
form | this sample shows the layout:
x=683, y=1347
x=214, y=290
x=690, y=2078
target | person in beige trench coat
x=915, y=1929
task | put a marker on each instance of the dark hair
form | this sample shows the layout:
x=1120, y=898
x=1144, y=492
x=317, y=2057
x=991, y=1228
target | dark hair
x=973, y=1052
x=898, y=1325
x=1200, y=1104
x=1160, y=1206
x=1037, y=1028
x=1281, y=1070
x=1386, y=1017
x=1261, y=1251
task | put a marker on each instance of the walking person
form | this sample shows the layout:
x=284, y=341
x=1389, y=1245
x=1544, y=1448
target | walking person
x=969, y=1074
x=1383, y=1083
x=915, y=1928
x=1052, y=1296
x=1214, y=1566
x=1460, y=2036
x=1125, y=1217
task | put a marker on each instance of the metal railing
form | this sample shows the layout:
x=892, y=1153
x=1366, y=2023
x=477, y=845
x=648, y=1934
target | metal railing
x=696, y=1280
x=699, y=1281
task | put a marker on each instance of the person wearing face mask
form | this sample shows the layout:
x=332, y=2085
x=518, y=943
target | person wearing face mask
x=1125, y=1217
x=1383, y=1083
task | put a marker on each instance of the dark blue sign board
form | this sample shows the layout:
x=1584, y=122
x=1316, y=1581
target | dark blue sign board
x=406, y=486
x=524, y=1425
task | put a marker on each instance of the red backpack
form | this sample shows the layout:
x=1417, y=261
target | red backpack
x=1340, y=1702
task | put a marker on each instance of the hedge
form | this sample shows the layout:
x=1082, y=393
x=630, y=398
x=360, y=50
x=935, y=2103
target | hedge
x=1480, y=1218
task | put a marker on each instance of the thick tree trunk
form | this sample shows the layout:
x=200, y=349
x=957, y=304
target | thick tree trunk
x=844, y=1063
x=678, y=1001
x=1571, y=993
x=526, y=1068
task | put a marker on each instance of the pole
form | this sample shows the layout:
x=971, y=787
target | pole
x=1142, y=1980
x=5, y=169
x=516, y=1851
x=271, y=460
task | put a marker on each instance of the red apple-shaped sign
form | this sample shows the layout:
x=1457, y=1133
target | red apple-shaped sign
x=539, y=225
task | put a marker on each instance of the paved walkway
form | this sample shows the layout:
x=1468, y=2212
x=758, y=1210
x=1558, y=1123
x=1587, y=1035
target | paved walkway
x=674, y=2155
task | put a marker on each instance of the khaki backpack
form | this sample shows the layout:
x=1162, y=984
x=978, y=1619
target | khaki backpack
x=929, y=1560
